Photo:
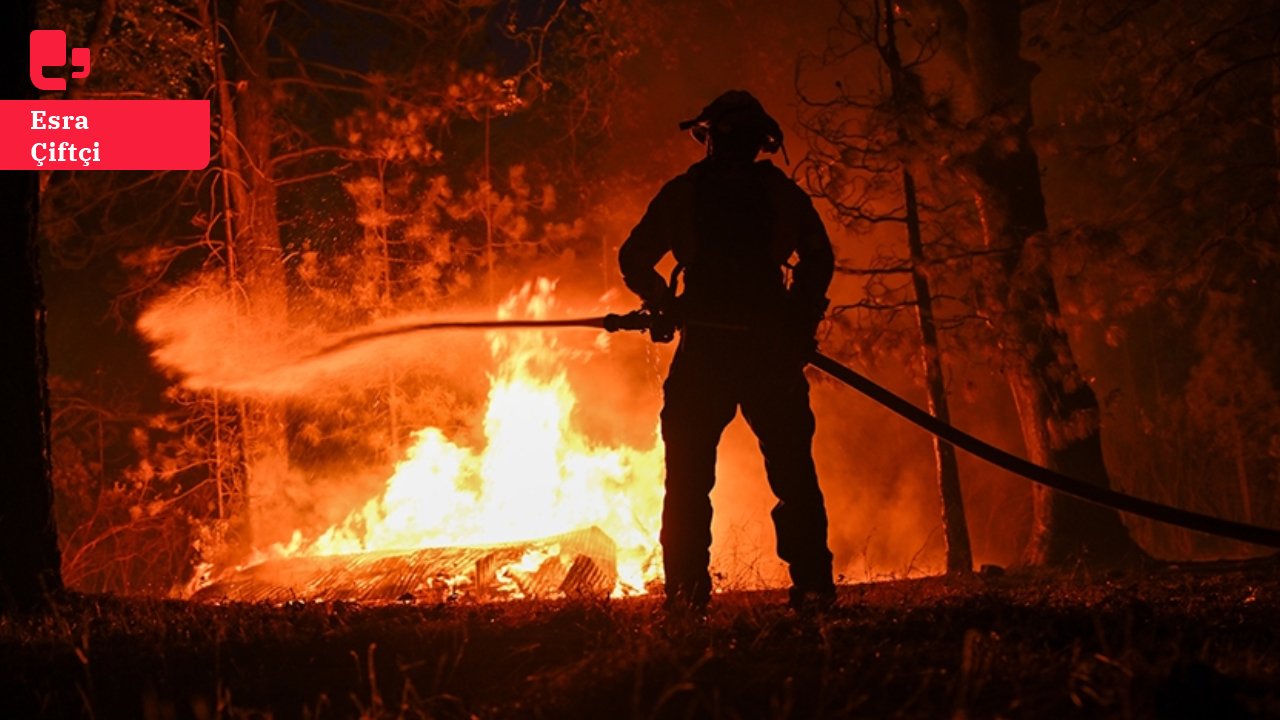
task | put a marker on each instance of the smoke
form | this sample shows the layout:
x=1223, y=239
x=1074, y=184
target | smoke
x=200, y=334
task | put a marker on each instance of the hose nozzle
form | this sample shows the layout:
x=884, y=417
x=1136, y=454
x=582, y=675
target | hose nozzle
x=637, y=320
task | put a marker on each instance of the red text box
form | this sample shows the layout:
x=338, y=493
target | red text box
x=104, y=134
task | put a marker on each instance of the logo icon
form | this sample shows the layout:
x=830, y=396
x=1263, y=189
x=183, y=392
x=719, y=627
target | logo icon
x=49, y=49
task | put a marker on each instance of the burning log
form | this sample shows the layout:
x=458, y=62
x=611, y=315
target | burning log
x=576, y=564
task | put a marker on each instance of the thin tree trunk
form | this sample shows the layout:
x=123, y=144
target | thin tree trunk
x=253, y=252
x=261, y=268
x=30, y=562
x=218, y=474
x=387, y=307
x=230, y=500
x=488, y=213
x=954, y=525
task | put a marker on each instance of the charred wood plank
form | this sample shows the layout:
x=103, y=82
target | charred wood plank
x=582, y=563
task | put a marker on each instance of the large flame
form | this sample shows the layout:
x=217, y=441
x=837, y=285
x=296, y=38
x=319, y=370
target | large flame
x=536, y=476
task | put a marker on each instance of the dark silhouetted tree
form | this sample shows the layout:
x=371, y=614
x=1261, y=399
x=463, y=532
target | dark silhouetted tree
x=1166, y=238
x=867, y=177
x=30, y=568
x=1058, y=409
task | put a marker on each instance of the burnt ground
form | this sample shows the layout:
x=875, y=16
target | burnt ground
x=1177, y=642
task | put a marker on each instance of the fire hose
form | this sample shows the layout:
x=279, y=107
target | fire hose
x=642, y=321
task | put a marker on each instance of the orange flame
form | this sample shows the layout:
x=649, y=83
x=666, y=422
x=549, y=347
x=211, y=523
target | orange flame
x=536, y=477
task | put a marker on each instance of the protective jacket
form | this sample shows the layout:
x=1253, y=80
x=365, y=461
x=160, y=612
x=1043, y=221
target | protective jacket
x=732, y=227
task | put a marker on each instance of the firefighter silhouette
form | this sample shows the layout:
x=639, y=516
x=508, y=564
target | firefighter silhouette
x=732, y=224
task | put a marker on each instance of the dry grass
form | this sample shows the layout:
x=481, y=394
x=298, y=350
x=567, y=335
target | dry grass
x=1181, y=642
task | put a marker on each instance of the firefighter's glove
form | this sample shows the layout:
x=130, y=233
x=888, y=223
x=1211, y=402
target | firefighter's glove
x=664, y=319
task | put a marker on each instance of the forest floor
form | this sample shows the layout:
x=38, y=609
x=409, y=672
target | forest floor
x=1192, y=641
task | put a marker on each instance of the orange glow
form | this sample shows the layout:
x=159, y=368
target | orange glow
x=537, y=475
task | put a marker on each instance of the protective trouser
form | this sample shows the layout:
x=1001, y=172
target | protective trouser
x=710, y=378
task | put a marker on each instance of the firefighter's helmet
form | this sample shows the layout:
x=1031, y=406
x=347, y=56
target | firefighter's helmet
x=736, y=112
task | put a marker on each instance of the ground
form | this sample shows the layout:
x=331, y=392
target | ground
x=1174, y=642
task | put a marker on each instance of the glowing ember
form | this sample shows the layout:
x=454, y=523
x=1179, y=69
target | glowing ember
x=536, y=477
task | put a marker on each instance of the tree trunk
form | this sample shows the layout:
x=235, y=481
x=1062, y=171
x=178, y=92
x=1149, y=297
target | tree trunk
x=29, y=563
x=908, y=100
x=255, y=253
x=1057, y=409
x=954, y=525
